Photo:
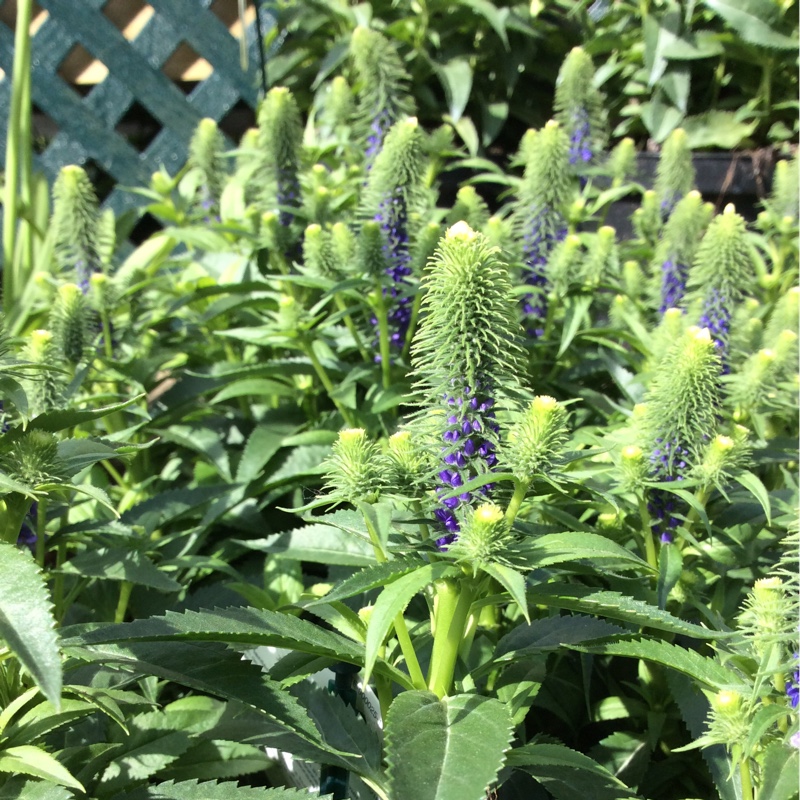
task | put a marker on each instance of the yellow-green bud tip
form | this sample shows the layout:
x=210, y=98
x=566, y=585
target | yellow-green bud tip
x=488, y=513
x=632, y=452
x=461, y=230
x=352, y=434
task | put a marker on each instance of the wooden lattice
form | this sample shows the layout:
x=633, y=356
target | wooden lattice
x=142, y=70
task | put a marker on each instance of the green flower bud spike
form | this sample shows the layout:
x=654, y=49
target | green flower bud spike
x=382, y=87
x=34, y=460
x=407, y=463
x=675, y=173
x=634, y=468
x=484, y=538
x=70, y=323
x=602, y=262
x=676, y=251
x=469, y=207
x=785, y=191
x=353, y=469
x=44, y=392
x=206, y=156
x=722, y=275
x=339, y=105
x=280, y=137
x=622, y=162
x=724, y=456
x=647, y=218
x=318, y=257
x=579, y=108
x=75, y=223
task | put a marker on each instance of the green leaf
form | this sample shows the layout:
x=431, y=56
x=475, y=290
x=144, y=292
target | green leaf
x=495, y=16
x=29, y=760
x=248, y=626
x=23, y=789
x=26, y=620
x=343, y=730
x=365, y=580
x=670, y=567
x=117, y=564
x=691, y=46
x=512, y=581
x=721, y=129
x=393, y=601
x=456, y=79
x=320, y=544
x=54, y=421
x=262, y=444
x=575, y=313
x=550, y=633
x=754, y=21
x=556, y=548
x=226, y=790
x=762, y=721
x=660, y=118
x=568, y=774
x=753, y=484
x=659, y=34
x=44, y=718
x=615, y=606
x=707, y=671
x=780, y=768
x=209, y=667
x=258, y=387
x=216, y=759
x=76, y=454
x=450, y=749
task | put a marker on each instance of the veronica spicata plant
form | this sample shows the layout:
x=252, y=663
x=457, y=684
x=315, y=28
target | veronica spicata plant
x=540, y=214
x=578, y=107
x=722, y=275
x=675, y=173
x=381, y=87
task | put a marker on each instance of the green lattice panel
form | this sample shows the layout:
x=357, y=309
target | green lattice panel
x=86, y=125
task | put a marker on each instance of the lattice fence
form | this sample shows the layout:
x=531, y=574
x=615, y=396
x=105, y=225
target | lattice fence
x=138, y=72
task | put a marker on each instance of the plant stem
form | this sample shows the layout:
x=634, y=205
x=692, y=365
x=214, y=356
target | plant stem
x=383, y=337
x=41, y=524
x=744, y=772
x=520, y=490
x=412, y=326
x=322, y=374
x=351, y=326
x=15, y=157
x=453, y=603
x=647, y=535
x=122, y=606
x=400, y=628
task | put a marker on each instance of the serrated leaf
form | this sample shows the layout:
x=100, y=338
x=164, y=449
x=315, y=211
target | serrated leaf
x=54, y=421
x=29, y=760
x=512, y=581
x=753, y=20
x=207, y=667
x=753, y=484
x=77, y=454
x=707, y=671
x=44, y=718
x=568, y=774
x=781, y=765
x=241, y=626
x=301, y=462
x=215, y=760
x=550, y=633
x=450, y=749
x=157, y=511
x=320, y=544
x=365, y=580
x=615, y=606
x=670, y=567
x=342, y=730
x=262, y=444
x=116, y=564
x=26, y=620
x=556, y=548
x=393, y=601
x=23, y=789
x=723, y=129
x=209, y=790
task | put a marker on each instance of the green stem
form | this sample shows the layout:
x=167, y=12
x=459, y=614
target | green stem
x=351, y=326
x=412, y=327
x=14, y=144
x=416, y=507
x=322, y=374
x=400, y=628
x=520, y=490
x=744, y=772
x=58, y=585
x=451, y=618
x=383, y=337
x=124, y=596
x=647, y=535
x=41, y=524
